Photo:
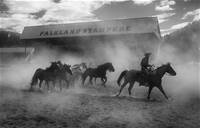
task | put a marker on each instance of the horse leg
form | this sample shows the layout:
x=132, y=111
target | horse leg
x=163, y=92
x=104, y=80
x=130, y=88
x=40, y=84
x=123, y=85
x=149, y=92
x=67, y=82
x=54, y=85
x=91, y=80
x=95, y=80
x=60, y=84
x=47, y=82
x=83, y=79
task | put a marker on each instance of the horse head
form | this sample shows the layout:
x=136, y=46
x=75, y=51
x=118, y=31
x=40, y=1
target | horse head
x=110, y=67
x=84, y=65
x=53, y=66
x=170, y=70
x=67, y=68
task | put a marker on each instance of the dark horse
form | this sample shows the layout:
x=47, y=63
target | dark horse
x=50, y=74
x=99, y=72
x=154, y=79
x=61, y=74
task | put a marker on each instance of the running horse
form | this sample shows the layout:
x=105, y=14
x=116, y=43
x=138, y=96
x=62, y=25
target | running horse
x=99, y=72
x=61, y=75
x=79, y=67
x=52, y=73
x=153, y=79
x=47, y=74
x=77, y=70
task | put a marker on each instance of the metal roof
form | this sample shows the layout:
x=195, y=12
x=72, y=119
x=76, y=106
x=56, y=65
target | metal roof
x=108, y=27
x=16, y=50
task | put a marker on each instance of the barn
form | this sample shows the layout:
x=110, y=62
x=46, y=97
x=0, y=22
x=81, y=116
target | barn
x=141, y=34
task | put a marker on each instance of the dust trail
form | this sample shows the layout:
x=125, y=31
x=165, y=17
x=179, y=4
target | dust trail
x=78, y=102
x=120, y=54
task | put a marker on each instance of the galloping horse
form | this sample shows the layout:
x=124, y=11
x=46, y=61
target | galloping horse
x=61, y=74
x=47, y=74
x=153, y=79
x=77, y=70
x=79, y=67
x=53, y=73
x=99, y=72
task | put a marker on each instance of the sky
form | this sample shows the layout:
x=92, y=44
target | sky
x=172, y=14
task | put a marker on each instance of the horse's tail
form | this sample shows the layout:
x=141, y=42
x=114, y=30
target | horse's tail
x=34, y=80
x=121, y=76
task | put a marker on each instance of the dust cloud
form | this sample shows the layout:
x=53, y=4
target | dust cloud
x=186, y=83
x=81, y=103
x=122, y=57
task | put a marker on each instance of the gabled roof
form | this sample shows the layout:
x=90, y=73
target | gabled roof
x=108, y=27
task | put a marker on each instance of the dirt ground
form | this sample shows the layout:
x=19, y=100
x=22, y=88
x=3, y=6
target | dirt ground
x=95, y=107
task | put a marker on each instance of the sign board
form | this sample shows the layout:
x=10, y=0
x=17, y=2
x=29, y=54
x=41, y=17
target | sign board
x=109, y=27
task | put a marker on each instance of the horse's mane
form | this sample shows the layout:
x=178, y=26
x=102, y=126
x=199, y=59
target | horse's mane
x=163, y=65
x=52, y=67
x=104, y=65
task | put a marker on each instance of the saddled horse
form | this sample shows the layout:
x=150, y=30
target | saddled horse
x=99, y=72
x=154, y=79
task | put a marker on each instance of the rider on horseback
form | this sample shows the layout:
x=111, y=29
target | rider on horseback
x=145, y=68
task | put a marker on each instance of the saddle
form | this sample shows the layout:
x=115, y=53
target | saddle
x=145, y=74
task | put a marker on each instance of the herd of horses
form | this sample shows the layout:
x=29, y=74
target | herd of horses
x=58, y=72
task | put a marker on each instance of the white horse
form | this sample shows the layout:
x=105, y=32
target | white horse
x=77, y=71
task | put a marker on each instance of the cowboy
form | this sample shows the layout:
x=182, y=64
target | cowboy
x=145, y=68
x=145, y=62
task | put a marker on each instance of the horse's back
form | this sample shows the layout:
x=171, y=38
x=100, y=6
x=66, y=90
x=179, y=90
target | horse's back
x=39, y=70
x=133, y=71
x=132, y=74
x=89, y=71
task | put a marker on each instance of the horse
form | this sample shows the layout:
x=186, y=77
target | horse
x=47, y=74
x=53, y=73
x=99, y=72
x=61, y=75
x=154, y=79
x=77, y=71
x=79, y=67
